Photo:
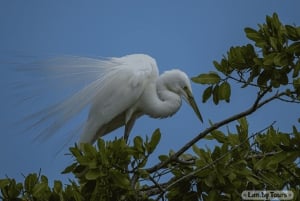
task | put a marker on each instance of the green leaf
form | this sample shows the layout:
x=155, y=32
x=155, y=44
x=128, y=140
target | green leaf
x=236, y=57
x=40, y=190
x=284, y=80
x=275, y=83
x=221, y=67
x=242, y=129
x=224, y=91
x=274, y=43
x=296, y=83
x=154, y=141
x=10, y=189
x=241, y=171
x=296, y=70
x=77, y=196
x=171, y=152
x=93, y=174
x=252, y=34
x=216, y=94
x=138, y=144
x=220, y=178
x=119, y=179
x=281, y=59
x=210, y=78
x=44, y=179
x=212, y=196
x=219, y=136
x=216, y=153
x=209, y=137
x=187, y=157
x=263, y=78
x=163, y=157
x=206, y=94
x=276, y=159
x=204, y=171
x=203, y=155
x=101, y=145
x=276, y=20
x=70, y=168
x=261, y=164
x=143, y=163
x=294, y=48
x=143, y=173
x=243, y=123
x=292, y=33
x=88, y=161
x=268, y=60
x=58, y=187
x=232, y=176
x=75, y=151
x=295, y=130
x=89, y=150
x=233, y=139
x=218, y=66
x=210, y=180
x=252, y=180
x=254, y=73
x=30, y=181
x=4, y=182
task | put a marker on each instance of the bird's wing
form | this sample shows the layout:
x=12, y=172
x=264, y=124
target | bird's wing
x=108, y=85
x=120, y=90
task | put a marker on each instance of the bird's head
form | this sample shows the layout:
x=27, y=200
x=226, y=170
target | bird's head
x=179, y=83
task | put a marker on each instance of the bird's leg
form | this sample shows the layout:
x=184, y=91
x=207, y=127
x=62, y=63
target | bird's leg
x=128, y=127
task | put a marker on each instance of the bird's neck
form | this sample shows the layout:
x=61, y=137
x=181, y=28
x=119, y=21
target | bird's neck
x=163, y=103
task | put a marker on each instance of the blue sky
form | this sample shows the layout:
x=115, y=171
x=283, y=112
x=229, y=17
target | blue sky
x=187, y=35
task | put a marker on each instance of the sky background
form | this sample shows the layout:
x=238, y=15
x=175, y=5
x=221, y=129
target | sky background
x=187, y=35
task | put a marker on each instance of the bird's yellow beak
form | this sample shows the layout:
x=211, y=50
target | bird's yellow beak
x=192, y=102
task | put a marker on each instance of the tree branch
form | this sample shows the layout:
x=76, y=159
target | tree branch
x=162, y=188
x=242, y=80
x=262, y=155
x=157, y=185
x=257, y=104
x=289, y=101
x=217, y=160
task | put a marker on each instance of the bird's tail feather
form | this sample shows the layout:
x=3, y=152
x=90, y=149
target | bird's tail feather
x=62, y=87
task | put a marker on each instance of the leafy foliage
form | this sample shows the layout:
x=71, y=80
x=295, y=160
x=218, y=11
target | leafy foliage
x=273, y=63
x=266, y=160
x=36, y=187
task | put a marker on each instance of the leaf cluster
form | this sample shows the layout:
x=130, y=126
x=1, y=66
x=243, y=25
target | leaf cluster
x=270, y=61
x=241, y=162
x=109, y=171
x=36, y=188
x=113, y=170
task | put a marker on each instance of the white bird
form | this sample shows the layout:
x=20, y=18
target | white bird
x=117, y=90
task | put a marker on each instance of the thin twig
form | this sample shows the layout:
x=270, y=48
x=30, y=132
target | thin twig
x=289, y=101
x=157, y=185
x=262, y=155
x=242, y=80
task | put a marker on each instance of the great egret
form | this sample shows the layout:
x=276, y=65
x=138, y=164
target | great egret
x=118, y=91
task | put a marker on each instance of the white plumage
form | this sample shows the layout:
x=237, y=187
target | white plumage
x=118, y=91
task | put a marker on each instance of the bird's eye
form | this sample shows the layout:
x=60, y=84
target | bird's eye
x=185, y=88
